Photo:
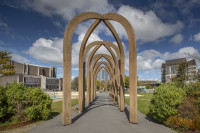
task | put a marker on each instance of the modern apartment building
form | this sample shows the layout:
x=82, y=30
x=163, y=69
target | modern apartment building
x=169, y=69
x=103, y=75
x=33, y=76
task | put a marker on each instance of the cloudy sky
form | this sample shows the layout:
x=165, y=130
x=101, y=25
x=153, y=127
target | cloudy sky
x=32, y=30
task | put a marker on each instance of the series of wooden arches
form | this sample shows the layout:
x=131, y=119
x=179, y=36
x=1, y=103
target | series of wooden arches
x=114, y=64
x=103, y=82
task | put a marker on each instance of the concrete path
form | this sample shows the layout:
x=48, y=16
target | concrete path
x=101, y=117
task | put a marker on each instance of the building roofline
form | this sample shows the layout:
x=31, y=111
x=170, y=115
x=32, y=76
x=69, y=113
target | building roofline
x=33, y=64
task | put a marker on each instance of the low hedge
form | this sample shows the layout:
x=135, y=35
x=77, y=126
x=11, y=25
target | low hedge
x=18, y=103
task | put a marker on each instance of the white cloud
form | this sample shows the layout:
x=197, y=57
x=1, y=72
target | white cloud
x=149, y=59
x=19, y=58
x=178, y=38
x=152, y=59
x=157, y=63
x=147, y=25
x=84, y=26
x=47, y=50
x=51, y=50
x=67, y=9
x=197, y=37
x=76, y=48
x=181, y=53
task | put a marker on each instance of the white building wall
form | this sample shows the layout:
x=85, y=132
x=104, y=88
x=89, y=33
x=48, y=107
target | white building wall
x=102, y=75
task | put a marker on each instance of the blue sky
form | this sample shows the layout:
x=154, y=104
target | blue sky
x=33, y=30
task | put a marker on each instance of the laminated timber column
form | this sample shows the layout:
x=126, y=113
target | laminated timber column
x=98, y=44
x=122, y=68
x=95, y=88
x=88, y=67
x=67, y=62
x=132, y=62
x=100, y=87
x=81, y=81
x=106, y=88
x=91, y=58
x=92, y=87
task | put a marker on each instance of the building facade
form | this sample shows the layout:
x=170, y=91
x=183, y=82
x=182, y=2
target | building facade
x=103, y=75
x=33, y=76
x=169, y=70
x=152, y=83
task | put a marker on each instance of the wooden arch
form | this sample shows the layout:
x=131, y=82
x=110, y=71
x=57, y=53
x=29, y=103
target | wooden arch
x=103, y=82
x=103, y=67
x=112, y=91
x=113, y=74
x=67, y=53
x=96, y=72
x=82, y=64
x=90, y=60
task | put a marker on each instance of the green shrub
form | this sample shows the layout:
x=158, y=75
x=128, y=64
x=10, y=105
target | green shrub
x=190, y=106
x=3, y=102
x=21, y=103
x=188, y=109
x=39, y=104
x=165, y=101
x=16, y=98
x=193, y=89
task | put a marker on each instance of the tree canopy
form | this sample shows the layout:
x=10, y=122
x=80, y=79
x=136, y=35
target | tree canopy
x=75, y=84
x=5, y=68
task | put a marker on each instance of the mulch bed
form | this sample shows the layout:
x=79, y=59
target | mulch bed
x=17, y=125
x=75, y=109
x=182, y=130
x=187, y=131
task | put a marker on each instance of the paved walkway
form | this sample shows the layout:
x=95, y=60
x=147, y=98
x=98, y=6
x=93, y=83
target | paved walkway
x=101, y=117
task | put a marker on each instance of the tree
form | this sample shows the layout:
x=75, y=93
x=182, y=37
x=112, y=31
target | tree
x=75, y=84
x=182, y=72
x=194, y=56
x=126, y=81
x=139, y=83
x=98, y=84
x=198, y=76
x=108, y=85
x=5, y=68
x=148, y=86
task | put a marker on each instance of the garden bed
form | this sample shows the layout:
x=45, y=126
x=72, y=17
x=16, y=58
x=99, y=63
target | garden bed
x=16, y=125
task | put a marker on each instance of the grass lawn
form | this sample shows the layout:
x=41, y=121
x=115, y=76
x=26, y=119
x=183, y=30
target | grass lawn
x=57, y=106
x=143, y=102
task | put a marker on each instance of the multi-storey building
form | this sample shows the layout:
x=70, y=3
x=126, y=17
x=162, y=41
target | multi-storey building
x=169, y=70
x=33, y=76
x=103, y=75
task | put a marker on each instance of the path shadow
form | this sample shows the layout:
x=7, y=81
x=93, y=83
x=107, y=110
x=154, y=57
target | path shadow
x=152, y=120
x=53, y=114
x=126, y=111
